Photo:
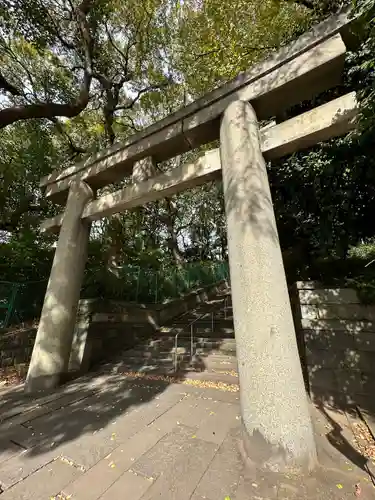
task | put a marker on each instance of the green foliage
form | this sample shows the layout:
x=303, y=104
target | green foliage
x=24, y=259
x=228, y=37
x=324, y=198
x=366, y=8
x=364, y=279
x=142, y=284
x=363, y=251
x=27, y=153
x=143, y=61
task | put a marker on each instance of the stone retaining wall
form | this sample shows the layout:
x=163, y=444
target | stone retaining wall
x=336, y=339
x=102, y=328
x=16, y=347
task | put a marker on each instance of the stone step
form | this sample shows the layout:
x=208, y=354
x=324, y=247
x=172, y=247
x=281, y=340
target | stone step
x=183, y=345
x=183, y=353
x=186, y=338
x=213, y=376
x=206, y=309
x=136, y=356
x=203, y=315
x=224, y=374
x=219, y=321
x=199, y=331
x=168, y=365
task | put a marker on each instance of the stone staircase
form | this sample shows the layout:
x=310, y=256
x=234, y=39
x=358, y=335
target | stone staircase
x=214, y=349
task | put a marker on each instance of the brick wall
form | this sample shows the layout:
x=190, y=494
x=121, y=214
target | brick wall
x=336, y=339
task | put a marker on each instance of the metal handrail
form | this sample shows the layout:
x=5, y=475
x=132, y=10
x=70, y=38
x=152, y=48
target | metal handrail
x=191, y=325
x=226, y=306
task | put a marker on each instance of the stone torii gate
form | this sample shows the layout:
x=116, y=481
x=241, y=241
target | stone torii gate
x=273, y=400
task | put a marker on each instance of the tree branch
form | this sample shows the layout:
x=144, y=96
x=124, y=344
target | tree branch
x=117, y=49
x=8, y=87
x=150, y=88
x=47, y=109
x=76, y=150
x=132, y=125
x=309, y=4
x=21, y=63
x=248, y=49
x=25, y=206
x=57, y=33
x=50, y=109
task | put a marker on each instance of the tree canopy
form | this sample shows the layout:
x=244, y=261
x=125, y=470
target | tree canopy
x=78, y=75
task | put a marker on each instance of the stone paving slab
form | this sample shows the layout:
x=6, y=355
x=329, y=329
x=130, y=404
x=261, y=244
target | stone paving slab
x=39, y=409
x=21, y=466
x=89, y=449
x=102, y=475
x=93, y=483
x=216, y=395
x=19, y=434
x=84, y=431
x=195, y=411
x=14, y=401
x=190, y=412
x=146, y=440
x=44, y=483
x=222, y=477
x=218, y=422
x=324, y=484
x=52, y=437
x=9, y=450
x=128, y=486
x=162, y=456
x=179, y=480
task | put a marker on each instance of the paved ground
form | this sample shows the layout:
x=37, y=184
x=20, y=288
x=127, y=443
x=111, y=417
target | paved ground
x=113, y=437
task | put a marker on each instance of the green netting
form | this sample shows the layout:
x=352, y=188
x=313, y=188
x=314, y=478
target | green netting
x=8, y=292
x=174, y=282
x=146, y=285
x=20, y=302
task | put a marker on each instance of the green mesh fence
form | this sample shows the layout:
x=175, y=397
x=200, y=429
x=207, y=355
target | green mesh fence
x=20, y=302
x=157, y=286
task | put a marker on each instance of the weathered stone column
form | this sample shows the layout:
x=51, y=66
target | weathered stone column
x=274, y=405
x=53, y=342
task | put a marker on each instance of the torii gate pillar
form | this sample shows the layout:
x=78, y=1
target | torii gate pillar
x=53, y=341
x=274, y=406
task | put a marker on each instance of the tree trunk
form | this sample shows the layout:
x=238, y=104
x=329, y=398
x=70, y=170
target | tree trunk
x=169, y=219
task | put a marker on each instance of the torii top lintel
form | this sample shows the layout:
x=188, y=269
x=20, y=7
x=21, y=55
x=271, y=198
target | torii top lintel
x=307, y=66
